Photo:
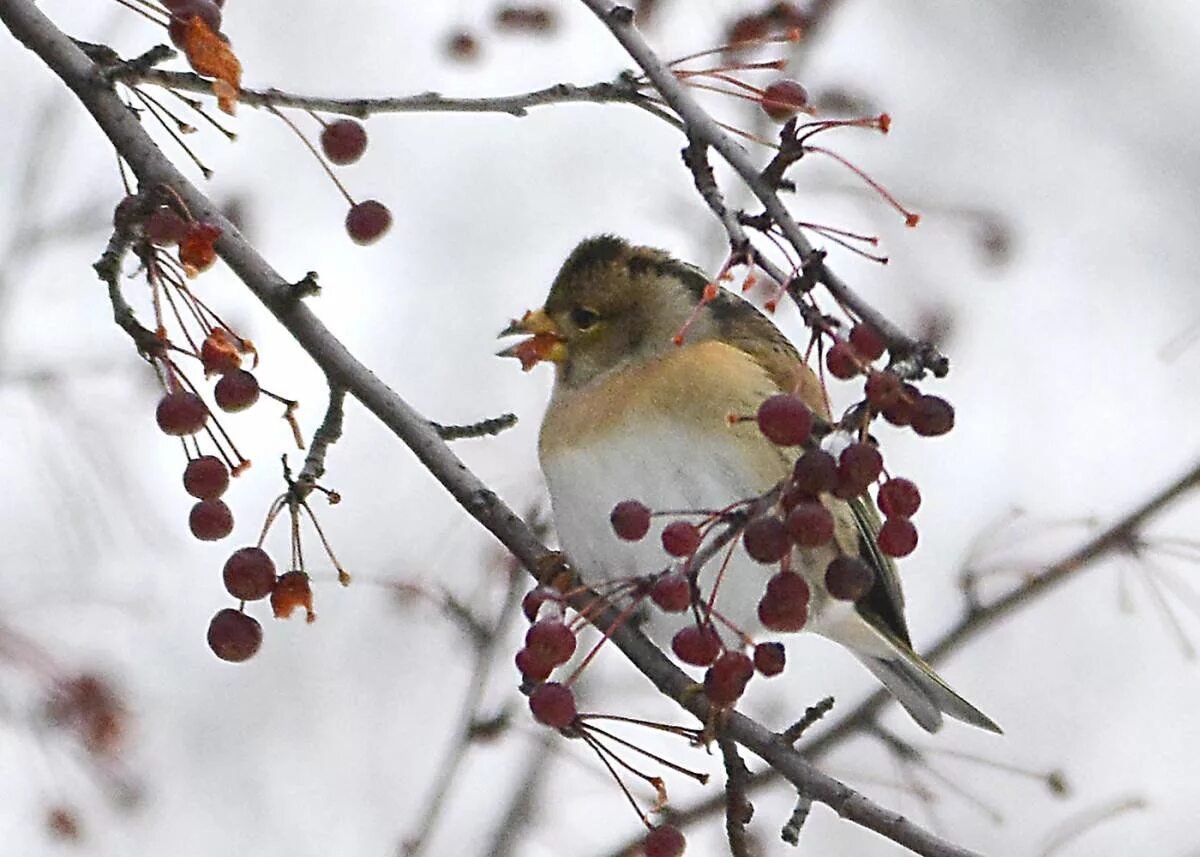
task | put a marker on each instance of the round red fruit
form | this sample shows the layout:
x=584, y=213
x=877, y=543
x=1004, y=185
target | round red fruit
x=550, y=640
x=770, y=658
x=164, y=227
x=233, y=636
x=899, y=411
x=182, y=12
x=897, y=537
x=932, y=416
x=783, y=99
x=206, y=477
x=236, y=391
x=849, y=578
x=672, y=592
x=210, y=520
x=630, y=520
x=344, y=141
x=249, y=574
x=810, y=524
x=697, y=645
x=882, y=390
x=840, y=361
x=532, y=603
x=815, y=473
x=553, y=705
x=899, y=498
x=858, y=466
x=533, y=668
x=785, y=420
x=766, y=539
x=181, y=413
x=367, y=221
x=664, y=841
x=867, y=342
x=726, y=679
x=679, y=538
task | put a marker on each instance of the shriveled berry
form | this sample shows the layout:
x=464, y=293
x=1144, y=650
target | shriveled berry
x=932, y=416
x=233, y=636
x=553, y=705
x=840, y=361
x=770, y=658
x=164, y=227
x=766, y=539
x=783, y=99
x=815, y=472
x=181, y=413
x=182, y=11
x=367, y=221
x=810, y=524
x=630, y=520
x=882, y=389
x=236, y=391
x=249, y=574
x=664, y=841
x=785, y=420
x=867, y=342
x=210, y=520
x=197, y=250
x=849, y=578
x=672, y=592
x=899, y=497
x=344, y=141
x=726, y=679
x=533, y=667
x=697, y=645
x=679, y=538
x=858, y=466
x=218, y=355
x=897, y=537
x=206, y=477
x=551, y=640
x=292, y=590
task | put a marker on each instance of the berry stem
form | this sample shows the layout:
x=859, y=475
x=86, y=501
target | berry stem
x=303, y=139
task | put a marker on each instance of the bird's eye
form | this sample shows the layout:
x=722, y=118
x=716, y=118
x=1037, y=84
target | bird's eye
x=583, y=318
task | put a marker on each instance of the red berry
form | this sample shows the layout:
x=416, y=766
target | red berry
x=533, y=667
x=630, y=520
x=784, y=606
x=182, y=11
x=553, y=704
x=672, y=592
x=181, y=413
x=849, y=578
x=164, y=227
x=462, y=46
x=858, y=466
x=726, y=679
x=679, y=538
x=782, y=99
x=899, y=498
x=236, y=391
x=664, y=841
x=810, y=524
x=882, y=389
x=233, y=636
x=532, y=603
x=249, y=574
x=899, y=411
x=867, y=342
x=210, y=520
x=932, y=416
x=785, y=420
x=367, y=221
x=206, y=477
x=697, y=645
x=550, y=640
x=344, y=141
x=815, y=473
x=840, y=361
x=292, y=590
x=766, y=539
x=897, y=537
x=769, y=658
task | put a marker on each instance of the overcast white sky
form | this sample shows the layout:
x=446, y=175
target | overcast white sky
x=1074, y=123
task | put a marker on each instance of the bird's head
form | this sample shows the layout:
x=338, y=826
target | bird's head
x=612, y=304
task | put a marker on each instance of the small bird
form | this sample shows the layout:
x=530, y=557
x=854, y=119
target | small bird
x=640, y=411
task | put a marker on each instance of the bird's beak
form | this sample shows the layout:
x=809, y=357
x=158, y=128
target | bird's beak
x=545, y=343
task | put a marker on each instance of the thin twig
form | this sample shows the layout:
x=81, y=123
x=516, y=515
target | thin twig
x=738, y=809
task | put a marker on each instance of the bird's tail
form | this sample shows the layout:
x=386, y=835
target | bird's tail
x=922, y=692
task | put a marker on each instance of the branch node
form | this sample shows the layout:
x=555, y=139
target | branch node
x=306, y=287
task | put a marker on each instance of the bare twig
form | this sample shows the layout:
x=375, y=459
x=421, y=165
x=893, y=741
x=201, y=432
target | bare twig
x=483, y=428
x=327, y=434
x=738, y=809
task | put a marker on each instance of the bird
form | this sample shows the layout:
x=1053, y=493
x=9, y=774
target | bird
x=650, y=362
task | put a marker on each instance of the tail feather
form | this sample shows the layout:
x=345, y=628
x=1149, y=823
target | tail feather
x=923, y=693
